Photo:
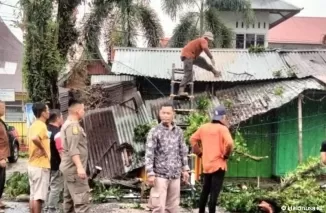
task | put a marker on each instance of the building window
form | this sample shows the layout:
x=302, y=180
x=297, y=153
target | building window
x=253, y=25
x=250, y=40
x=245, y=41
x=240, y=41
x=265, y=25
x=258, y=24
x=14, y=111
x=242, y=25
x=260, y=41
x=237, y=24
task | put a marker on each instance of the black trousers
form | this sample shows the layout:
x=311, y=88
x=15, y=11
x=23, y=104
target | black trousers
x=2, y=180
x=212, y=186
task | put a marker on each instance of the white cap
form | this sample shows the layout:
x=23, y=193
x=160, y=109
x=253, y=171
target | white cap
x=209, y=36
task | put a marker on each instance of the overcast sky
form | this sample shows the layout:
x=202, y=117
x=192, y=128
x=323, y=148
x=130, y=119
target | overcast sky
x=315, y=8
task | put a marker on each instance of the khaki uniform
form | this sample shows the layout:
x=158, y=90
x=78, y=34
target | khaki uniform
x=76, y=191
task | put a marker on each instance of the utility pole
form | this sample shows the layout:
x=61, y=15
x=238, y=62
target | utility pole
x=300, y=151
x=201, y=21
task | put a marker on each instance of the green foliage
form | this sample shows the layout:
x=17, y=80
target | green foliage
x=203, y=103
x=311, y=168
x=17, y=184
x=23, y=154
x=92, y=29
x=101, y=193
x=195, y=120
x=243, y=201
x=298, y=188
x=240, y=147
x=67, y=32
x=141, y=132
x=277, y=73
x=42, y=61
x=193, y=24
x=279, y=91
x=122, y=20
x=256, y=49
x=228, y=103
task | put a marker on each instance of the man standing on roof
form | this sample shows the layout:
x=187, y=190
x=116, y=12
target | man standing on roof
x=190, y=56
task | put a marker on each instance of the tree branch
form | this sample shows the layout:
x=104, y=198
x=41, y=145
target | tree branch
x=252, y=157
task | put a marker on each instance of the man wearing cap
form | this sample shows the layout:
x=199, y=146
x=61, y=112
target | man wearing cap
x=190, y=56
x=217, y=145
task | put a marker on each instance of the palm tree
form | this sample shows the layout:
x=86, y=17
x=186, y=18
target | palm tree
x=193, y=24
x=130, y=19
x=123, y=21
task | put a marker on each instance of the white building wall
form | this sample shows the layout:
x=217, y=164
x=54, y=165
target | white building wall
x=235, y=21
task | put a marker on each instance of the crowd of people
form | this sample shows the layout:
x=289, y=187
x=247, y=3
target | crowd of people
x=57, y=160
x=58, y=152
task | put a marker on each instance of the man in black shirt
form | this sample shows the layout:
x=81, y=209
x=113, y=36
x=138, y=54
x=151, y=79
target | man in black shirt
x=56, y=182
x=323, y=152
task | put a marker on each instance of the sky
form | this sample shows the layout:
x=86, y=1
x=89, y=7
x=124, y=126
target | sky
x=313, y=8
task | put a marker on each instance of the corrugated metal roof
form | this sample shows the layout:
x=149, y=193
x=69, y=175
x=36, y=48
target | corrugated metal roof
x=272, y=5
x=96, y=79
x=247, y=101
x=309, y=63
x=236, y=65
x=103, y=143
x=128, y=116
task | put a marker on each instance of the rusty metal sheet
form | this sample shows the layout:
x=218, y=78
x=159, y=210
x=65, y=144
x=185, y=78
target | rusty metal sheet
x=103, y=143
x=108, y=129
x=304, y=64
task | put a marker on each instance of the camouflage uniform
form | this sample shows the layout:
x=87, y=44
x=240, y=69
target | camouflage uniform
x=166, y=157
x=76, y=190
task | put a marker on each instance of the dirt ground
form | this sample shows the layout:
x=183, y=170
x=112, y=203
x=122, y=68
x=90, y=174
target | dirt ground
x=22, y=207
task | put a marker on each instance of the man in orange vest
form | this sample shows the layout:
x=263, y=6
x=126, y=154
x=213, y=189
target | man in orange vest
x=190, y=56
x=217, y=144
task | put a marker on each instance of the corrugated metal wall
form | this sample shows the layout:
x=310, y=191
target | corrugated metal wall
x=314, y=132
x=260, y=143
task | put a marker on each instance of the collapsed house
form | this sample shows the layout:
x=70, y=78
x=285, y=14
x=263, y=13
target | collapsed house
x=262, y=92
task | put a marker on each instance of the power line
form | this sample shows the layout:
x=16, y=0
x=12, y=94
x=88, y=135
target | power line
x=9, y=5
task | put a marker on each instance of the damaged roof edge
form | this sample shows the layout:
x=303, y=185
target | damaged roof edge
x=252, y=100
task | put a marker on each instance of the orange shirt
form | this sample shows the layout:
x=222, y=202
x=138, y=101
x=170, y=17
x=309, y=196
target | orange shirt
x=194, y=48
x=215, y=138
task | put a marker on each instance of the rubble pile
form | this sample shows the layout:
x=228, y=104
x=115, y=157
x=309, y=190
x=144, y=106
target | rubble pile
x=96, y=96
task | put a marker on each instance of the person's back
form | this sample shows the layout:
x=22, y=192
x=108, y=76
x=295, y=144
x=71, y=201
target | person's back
x=194, y=48
x=39, y=128
x=217, y=145
x=213, y=142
